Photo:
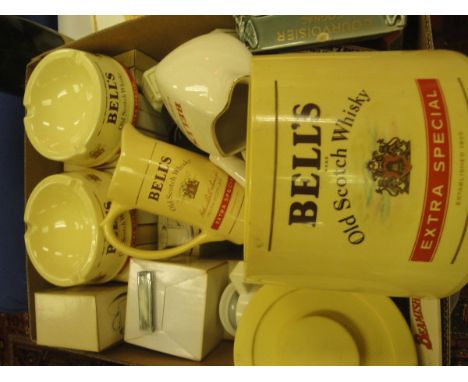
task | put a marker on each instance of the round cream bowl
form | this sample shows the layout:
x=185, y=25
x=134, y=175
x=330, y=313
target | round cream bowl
x=76, y=104
x=63, y=237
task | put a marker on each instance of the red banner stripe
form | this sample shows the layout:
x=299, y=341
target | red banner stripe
x=136, y=102
x=438, y=170
x=224, y=203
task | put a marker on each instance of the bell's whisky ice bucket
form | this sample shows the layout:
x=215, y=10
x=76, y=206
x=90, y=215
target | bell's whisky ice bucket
x=357, y=172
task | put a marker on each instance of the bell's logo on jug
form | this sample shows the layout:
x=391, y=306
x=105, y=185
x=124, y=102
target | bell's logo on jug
x=160, y=178
x=390, y=166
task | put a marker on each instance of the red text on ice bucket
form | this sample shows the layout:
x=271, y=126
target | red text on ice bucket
x=438, y=170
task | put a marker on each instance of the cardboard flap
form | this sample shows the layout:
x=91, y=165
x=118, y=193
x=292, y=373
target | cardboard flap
x=149, y=34
x=165, y=342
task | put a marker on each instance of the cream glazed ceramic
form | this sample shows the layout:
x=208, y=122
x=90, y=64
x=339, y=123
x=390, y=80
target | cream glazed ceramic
x=356, y=172
x=76, y=105
x=169, y=181
x=63, y=238
x=204, y=85
x=285, y=326
x=235, y=299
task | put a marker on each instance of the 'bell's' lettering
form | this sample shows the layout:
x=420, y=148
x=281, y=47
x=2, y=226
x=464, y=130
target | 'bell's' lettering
x=113, y=100
x=305, y=181
x=159, y=178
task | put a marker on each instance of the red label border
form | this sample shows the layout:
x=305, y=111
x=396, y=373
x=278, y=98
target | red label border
x=433, y=177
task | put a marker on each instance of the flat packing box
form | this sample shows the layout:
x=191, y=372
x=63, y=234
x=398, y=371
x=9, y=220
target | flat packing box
x=83, y=318
x=154, y=36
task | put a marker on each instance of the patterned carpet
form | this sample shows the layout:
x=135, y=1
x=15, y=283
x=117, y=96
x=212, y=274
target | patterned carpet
x=11, y=325
x=459, y=331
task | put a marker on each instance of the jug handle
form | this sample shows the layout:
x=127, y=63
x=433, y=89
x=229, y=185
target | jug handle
x=107, y=225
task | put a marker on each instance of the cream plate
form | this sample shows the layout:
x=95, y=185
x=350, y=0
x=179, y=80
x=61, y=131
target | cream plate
x=288, y=326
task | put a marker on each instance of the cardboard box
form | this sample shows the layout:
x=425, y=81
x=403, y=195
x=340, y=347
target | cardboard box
x=137, y=63
x=155, y=36
x=149, y=121
x=83, y=318
x=184, y=306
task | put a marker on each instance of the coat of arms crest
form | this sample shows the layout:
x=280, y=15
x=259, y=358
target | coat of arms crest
x=189, y=188
x=390, y=166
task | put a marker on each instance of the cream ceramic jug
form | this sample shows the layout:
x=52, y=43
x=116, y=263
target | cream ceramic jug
x=167, y=180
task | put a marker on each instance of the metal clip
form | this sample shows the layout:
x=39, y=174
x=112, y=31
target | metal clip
x=398, y=20
x=145, y=301
x=246, y=31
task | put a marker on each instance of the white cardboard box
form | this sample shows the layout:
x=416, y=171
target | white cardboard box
x=186, y=294
x=83, y=318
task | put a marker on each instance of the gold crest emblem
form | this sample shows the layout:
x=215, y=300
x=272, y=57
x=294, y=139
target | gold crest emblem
x=390, y=166
x=189, y=188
